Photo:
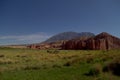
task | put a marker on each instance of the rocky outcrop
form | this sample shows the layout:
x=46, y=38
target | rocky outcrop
x=52, y=45
x=103, y=41
x=74, y=44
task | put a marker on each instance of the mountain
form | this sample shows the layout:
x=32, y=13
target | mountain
x=80, y=41
x=56, y=41
x=68, y=36
x=102, y=41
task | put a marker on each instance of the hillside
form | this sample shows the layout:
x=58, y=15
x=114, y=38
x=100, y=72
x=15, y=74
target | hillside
x=68, y=36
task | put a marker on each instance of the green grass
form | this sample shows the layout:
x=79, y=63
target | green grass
x=29, y=64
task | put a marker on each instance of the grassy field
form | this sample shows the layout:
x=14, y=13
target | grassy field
x=28, y=64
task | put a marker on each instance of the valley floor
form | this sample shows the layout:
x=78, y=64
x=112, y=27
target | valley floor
x=29, y=64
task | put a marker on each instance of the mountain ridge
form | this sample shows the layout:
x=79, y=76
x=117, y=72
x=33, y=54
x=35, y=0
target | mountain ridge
x=68, y=36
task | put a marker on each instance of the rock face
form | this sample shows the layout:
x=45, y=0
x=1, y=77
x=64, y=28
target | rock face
x=103, y=41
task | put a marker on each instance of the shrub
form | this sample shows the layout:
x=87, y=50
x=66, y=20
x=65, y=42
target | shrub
x=56, y=66
x=53, y=51
x=67, y=64
x=72, y=62
x=31, y=68
x=95, y=70
x=22, y=56
x=7, y=61
x=2, y=55
x=92, y=72
x=113, y=67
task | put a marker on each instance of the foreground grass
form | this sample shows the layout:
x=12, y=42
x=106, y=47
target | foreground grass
x=28, y=64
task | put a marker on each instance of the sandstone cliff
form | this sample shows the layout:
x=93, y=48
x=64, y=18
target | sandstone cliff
x=102, y=41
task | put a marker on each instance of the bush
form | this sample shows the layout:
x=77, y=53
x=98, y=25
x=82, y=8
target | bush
x=32, y=68
x=7, y=61
x=72, y=62
x=113, y=67
x=2, y=55
x=67, y=64
x=92, y=72
x=56, y=66
x=53, y=51
x=95, y=70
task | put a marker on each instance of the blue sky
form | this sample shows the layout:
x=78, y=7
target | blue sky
x=31, y=21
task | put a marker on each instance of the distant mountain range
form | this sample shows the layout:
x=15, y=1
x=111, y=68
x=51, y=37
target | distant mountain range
x=68, y=36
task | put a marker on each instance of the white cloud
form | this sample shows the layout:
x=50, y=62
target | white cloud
x=21, y=39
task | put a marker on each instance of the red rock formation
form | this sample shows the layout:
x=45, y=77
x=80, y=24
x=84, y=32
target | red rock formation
x=33, y=46
x=52, y=45
x=103, y=41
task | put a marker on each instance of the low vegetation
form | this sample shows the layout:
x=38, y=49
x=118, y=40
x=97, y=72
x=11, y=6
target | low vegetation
x=29, y=64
